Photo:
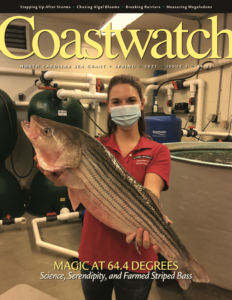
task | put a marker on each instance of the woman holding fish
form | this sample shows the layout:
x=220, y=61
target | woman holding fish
x=149, y=163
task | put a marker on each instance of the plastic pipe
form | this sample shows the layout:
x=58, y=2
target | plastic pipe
x=61, y=75
x=21, y=103
x=73, y=76
x=185, y=133
x=192, y=84
x=25, y=103
x=68, y=85
x=92, y=83
x=152, y=87
x=21, y=220
x=170, y=88
x=193, y=88
x=201, y=90
x=64, y=210
x=103, y=77
x=43, y=244
x=65, y=84
x=78, y=94
x=170, y=93
x=27, y=72
x=212, y=133
x=149, y=88
x=192, y=94
x=169, y=76
x=16, y=220
x=221, y=62
x=88, y=106
x=192, y=109
x=215, y=63
x=69, y=216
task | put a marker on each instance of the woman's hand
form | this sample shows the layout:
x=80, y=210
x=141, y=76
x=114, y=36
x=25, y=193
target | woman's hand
x=54, y=177
x=142, y=237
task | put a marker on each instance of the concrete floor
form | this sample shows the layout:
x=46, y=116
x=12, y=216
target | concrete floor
x=22, y=263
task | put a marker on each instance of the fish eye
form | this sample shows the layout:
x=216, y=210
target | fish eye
x=48, y=131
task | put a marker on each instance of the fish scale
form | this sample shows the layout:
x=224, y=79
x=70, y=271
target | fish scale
x=147, y=224
x=95, y=178
x=116, y=211
x=138, y=197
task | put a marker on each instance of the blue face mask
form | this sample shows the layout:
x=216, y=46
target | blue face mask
x=125, y=115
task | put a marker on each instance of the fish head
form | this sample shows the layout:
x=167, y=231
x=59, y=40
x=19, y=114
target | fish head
x=54, y=143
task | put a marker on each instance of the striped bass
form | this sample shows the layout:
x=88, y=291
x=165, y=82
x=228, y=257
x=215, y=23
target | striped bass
x=95, y=178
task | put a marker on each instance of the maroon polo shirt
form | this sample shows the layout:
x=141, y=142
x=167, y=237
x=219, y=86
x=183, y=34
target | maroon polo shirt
x=102, y=243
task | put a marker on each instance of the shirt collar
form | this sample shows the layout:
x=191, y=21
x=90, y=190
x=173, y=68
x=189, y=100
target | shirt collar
x=144, y=143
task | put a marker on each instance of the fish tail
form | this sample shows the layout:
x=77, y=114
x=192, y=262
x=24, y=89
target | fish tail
x=199, y=273
x=191, y=271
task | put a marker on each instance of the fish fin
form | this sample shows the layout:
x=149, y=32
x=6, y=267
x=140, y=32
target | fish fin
x=71, y=179
x=191, y=271
x=136, y=246
x=158, y=203
x=154, y=198
x=199, y=273
x=184, y=283
x=73, y=196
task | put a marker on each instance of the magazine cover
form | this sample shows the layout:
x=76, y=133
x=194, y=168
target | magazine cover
x=115, y=152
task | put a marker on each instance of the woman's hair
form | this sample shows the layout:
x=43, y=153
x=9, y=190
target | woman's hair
x=135, y=82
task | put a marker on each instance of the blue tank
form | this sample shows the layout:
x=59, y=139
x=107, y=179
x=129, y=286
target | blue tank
x=163, y=128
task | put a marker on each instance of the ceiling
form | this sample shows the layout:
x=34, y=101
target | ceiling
x=146, y=21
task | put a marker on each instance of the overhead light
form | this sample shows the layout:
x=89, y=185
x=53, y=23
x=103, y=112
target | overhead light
x=120, y=21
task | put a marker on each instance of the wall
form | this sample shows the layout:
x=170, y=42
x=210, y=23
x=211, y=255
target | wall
x=215, y=96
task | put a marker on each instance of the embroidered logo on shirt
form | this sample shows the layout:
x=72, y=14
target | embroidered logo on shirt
x=143, y=156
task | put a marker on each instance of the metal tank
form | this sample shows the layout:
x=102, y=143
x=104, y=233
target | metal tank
x=45, y=197
x=199, y=204
x=47, y=105
x=11, y=202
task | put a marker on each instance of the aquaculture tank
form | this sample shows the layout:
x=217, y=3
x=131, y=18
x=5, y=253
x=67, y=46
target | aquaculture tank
x=199, y=202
